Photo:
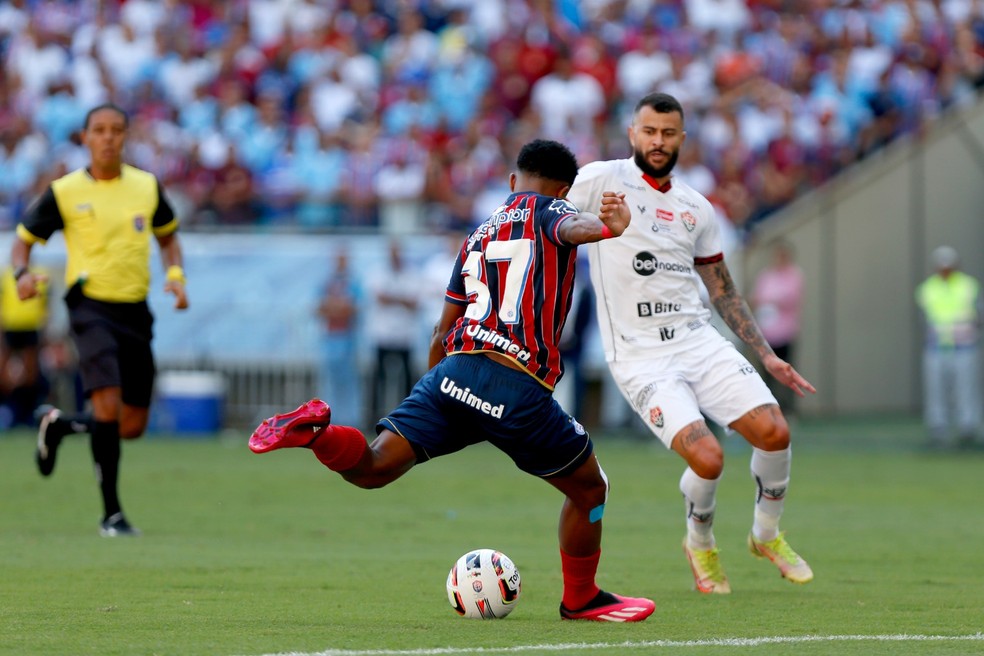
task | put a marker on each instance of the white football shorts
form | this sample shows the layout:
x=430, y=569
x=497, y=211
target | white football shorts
x=708, y=378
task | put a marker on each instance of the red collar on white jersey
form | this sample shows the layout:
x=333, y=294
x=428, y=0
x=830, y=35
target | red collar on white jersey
x=654, y=183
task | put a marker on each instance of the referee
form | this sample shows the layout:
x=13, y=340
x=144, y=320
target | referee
x=107, y=213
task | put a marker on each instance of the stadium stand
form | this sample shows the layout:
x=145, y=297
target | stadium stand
x=283, y=112
x=278, y=117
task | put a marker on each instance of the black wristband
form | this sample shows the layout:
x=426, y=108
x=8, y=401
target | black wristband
x=19, y=271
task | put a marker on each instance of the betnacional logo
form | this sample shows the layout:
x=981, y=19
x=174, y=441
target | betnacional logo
x=646, y=264
x=656, y=417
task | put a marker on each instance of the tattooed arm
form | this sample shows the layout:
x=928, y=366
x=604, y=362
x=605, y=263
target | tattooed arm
x=732, y=307
x=737, y=315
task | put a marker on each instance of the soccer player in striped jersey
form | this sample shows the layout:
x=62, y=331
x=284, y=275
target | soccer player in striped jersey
x=494, y=361
x=670, y=363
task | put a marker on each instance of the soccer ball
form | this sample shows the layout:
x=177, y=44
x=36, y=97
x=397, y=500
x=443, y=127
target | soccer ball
x=483, y=584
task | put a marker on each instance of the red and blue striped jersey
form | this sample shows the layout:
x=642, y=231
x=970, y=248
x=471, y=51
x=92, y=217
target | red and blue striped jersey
x=517, y=277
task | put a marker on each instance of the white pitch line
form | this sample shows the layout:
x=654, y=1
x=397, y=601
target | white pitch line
x=712, y=642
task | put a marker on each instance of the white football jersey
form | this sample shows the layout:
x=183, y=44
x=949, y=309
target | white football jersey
x=645, y=281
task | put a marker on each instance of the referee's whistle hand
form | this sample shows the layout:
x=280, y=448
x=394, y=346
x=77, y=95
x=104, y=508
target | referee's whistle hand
x=180, y=296
x=28, y=285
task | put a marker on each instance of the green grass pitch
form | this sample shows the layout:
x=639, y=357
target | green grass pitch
x=244, y=555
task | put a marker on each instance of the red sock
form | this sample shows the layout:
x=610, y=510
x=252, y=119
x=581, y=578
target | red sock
x=579, y=579
x=340, y=447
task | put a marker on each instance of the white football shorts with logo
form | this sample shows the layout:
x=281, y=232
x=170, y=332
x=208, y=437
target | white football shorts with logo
x=708, y=378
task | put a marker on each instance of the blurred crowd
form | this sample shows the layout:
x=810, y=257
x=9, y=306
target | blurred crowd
x=405, y=115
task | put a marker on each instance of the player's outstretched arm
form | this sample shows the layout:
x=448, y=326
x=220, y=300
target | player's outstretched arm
x=611, y=221
x=737, y=315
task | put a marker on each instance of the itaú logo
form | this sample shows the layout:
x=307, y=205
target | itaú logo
x=646, y=264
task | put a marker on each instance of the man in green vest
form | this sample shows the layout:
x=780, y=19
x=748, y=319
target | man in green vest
x=950, y=301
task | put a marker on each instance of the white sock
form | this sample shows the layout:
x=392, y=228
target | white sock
x=770, y=471
x=699, y=500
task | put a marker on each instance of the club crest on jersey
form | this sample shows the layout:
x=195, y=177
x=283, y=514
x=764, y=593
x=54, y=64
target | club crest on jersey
x=665, y=215
x=656, y=416
x=689, y=221
x=139, y=223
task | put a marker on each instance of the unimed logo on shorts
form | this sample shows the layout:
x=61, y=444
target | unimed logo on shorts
x=646, y=264
x=464, y=394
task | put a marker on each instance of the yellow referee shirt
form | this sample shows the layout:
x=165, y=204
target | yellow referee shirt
x=107, y=225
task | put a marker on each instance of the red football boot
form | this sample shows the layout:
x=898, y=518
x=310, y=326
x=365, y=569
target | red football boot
x=608, y=607
x=292, y=429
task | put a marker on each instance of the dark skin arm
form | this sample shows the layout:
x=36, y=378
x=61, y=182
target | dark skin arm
x=449, y=315
x=586, y=228
x=171, y=256
x=737, y=315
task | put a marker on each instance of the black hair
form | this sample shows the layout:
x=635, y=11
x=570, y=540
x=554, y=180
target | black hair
x=113, y=106
x=548, y=159
x=661, y=103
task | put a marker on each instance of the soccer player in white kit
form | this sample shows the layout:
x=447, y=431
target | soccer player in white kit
x=668, y=361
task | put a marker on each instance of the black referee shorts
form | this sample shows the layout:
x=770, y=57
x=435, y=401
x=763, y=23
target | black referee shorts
x=113, y=341
x=17, y=340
